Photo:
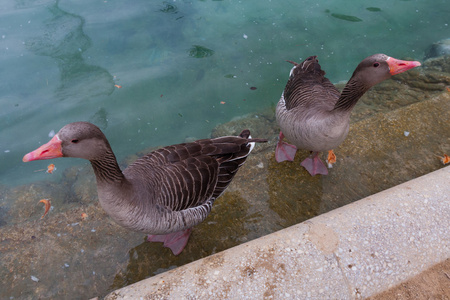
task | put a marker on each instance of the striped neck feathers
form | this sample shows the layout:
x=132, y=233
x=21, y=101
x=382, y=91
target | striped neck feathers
x=107, y=169
x=350, y=95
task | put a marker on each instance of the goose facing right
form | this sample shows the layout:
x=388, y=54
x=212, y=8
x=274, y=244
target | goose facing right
x=313, y=115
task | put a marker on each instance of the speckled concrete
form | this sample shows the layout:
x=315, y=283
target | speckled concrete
x=355, y=251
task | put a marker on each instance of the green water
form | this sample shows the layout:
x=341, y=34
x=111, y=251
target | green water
x=176, y=63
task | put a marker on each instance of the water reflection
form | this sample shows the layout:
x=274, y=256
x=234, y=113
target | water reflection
x=64, y=40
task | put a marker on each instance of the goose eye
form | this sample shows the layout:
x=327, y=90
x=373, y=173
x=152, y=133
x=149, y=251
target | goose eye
x=74, y=141
x=376, y=64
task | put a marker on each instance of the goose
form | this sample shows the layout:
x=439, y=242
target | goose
x=313, y=115
x=164, y=193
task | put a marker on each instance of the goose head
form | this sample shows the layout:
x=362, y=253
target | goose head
x=79, y=139
x=379, y=67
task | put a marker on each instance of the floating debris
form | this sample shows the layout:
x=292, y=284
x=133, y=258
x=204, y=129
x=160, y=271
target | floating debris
x=230, y=76
x=51, y=133
x=444, y=159
x=373, y=9
x=51, y=168
x=331, y=159
x=198, y=51
x=245, y=36
x=47, y=206
x=169, y=8
x=118, y=86
x=346, y=17
x=253, y=88
x=34, y=278
x=222, y=102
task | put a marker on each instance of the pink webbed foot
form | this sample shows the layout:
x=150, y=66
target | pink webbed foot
x=175, y=241
x=314, y=165
x=284, y=151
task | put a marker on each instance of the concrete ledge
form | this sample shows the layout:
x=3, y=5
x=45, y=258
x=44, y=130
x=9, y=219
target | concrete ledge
x=355, y=251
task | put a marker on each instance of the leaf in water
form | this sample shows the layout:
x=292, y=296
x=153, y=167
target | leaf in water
x=346, y=17
x=200, y=51
x=373, y=9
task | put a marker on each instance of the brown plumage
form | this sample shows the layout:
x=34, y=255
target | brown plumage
x=164, y=193
x=314, y=115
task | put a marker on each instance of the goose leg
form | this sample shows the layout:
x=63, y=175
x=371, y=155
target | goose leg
x=284, y=151
x=314, y=165
x=175, y=241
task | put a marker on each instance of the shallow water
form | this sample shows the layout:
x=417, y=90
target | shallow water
x=175, y=62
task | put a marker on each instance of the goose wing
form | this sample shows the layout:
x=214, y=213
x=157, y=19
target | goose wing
x=188, y=175
x=308, y=87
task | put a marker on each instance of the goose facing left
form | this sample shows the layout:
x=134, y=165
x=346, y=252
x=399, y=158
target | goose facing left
x=164, y=193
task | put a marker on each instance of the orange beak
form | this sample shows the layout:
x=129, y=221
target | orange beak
x=50, y=150
x=397, y=66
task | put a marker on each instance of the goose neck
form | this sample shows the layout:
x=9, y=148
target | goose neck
x=350, y=95
x=107, y=169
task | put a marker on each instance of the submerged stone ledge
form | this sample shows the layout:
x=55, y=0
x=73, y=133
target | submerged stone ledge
x=355, y=251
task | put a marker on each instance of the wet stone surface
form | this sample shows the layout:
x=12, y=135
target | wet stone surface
x=77, y=251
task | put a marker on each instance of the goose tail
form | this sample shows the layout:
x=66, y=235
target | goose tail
x=251, y=142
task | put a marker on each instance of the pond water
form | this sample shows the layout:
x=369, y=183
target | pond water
x=152, y=73
x=61, y=61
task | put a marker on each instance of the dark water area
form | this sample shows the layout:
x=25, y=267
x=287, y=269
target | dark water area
x=158, y=73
